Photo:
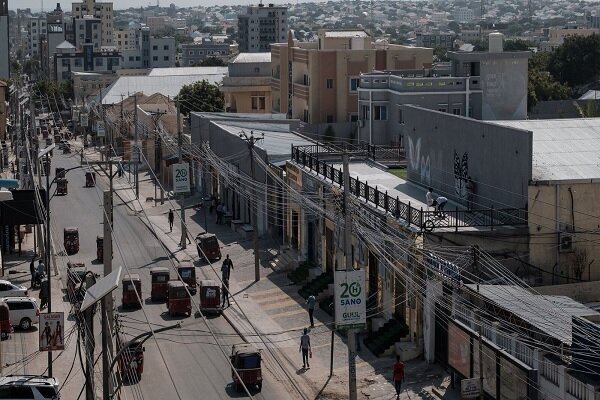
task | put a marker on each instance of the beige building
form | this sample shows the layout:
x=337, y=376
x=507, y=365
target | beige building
x=556, y=36
x=156, y=23
x=103, y=11
x=322, y=84
x=247, y=88
x=125, y=39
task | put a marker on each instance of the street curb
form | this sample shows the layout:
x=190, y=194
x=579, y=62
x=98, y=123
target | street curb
x=234, y=326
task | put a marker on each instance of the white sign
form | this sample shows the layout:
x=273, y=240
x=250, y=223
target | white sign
x=470, y=388
x=52, y=331
x=100, y=129
x=181, y=178
x=84, y=119
x=350, y=299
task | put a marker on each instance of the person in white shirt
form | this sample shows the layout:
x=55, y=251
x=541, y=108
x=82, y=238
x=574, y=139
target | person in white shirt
x=431, y=202
x=441, y=202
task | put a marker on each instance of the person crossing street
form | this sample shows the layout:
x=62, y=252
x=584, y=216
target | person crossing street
x=226, y=268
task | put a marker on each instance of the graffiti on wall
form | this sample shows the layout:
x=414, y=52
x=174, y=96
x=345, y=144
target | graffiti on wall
x=461, y=174
x=421, y=164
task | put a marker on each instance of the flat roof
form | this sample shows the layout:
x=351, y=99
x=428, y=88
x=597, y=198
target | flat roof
x=563, y=149
x=250, y=58
x=550, y=314
x=181, y=71
x=345, y=34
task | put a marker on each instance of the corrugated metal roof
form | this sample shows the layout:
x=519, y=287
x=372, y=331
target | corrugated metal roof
x=179, y=71
x=345, y=34
x=148, y=85
x=550, y=314
x=563, y=149
x=250, y=58
x=591, y=95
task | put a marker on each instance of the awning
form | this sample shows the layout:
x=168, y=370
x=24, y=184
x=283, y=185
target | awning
x=9, y=183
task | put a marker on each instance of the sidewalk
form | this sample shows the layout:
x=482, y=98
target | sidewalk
x=277, y=313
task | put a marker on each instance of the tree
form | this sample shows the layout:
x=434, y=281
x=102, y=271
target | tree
x=516, y=45
x=577, y=61
x=213, y=62
x=454, y=26
x=201, y=96
x=542, y=87
x=440, y=54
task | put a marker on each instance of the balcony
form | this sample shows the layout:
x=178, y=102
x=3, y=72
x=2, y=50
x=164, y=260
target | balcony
x=237, y=83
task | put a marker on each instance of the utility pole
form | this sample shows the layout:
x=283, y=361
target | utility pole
x=107, y=301
x=48, y=269
x=137, y=148
x=352, y=394
x=251, y=141
x=182, y=200
x=33, y=134
x=90, y=344
x=157, y=152
x=475, y=250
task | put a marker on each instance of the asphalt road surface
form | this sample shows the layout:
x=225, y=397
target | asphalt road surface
x=183, y=363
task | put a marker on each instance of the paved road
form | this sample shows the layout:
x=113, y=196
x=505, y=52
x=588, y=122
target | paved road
x=188, y=357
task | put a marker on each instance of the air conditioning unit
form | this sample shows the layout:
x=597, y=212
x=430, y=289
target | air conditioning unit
x=361, y=123
x=565, y=242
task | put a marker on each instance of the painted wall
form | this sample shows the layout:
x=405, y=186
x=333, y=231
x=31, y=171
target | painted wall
x=504, y=88
x=443, y=150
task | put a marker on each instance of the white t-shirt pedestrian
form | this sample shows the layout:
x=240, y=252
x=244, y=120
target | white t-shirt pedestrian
x=429, y=198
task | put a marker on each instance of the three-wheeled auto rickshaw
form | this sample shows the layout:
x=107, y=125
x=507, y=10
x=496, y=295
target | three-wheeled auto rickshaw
x=5, y=326
x=131, y=360
x=60, y=172
x=62, y=186
x=100, y=248
x=178, y=299
x=187, y=272
x=159, y=276
x=210, y=296
x=246, y=360
x=90, y=179
x=208, y=246
x=132, y=291
x=71, y=240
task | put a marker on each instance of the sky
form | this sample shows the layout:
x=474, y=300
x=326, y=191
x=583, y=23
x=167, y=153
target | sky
x=49, y=5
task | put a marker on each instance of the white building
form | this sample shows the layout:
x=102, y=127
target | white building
x=88, y=29
x=103, y=11
x=37, y=30
x=125, y=39
x=463, y=15
x=148, y=51
x=260, y=27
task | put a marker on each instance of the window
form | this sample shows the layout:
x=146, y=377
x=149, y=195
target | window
x=258, y=103
x=442, y=107
x=78, y=62
x=257, y=70
x=191, y=62
x=329, y=83
x=380, y=113
x=330, y=119
x=456, y=111
x=166, y=58
x=131, y=58
x=20, y=305
x=365, y=113
x=66, y=62
x=154, y=58
x=137, y=58
x=354, y=82
x=166, y=47
x=400, y=116
x=191, y=52
x=99, y=62
x=155, y=47
x=353, y=117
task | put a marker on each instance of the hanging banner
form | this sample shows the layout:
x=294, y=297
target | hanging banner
x=349, y=298
x=100, y=129
x=181, y=178
x=52, y=331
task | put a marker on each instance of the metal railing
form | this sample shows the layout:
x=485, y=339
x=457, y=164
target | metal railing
x=317, y=159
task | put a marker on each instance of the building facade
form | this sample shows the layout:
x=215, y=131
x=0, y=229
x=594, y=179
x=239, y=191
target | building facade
x=4, y=50
x=126, y=39
x=436, y=39
x=149, y=52
x=87, y=59
x=261, y=26
x=36, y=33
x=197, y=52
x=88, y=30
x=102, y=11
x=247, y=88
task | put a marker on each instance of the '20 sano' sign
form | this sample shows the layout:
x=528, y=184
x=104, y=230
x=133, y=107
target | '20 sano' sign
x=350, y=300
x=181, y=178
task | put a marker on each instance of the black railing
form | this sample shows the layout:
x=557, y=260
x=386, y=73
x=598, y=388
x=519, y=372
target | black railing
x=372, y=152
x=309, y=157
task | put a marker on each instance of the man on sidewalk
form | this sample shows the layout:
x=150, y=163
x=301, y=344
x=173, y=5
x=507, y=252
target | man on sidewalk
x=32, y=270
x=398, y=376
x=305, y=348
x=311, y=309
x=220, y=214
x=225, y=290
x=226, y=268
x=171, y=219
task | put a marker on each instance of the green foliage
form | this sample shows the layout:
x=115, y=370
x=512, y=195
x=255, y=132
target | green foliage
x=300, y=274
x=542, y=87
x=516, y=45
x=480, y=45
x=454, y=26
x=577, y=61
x=440, y=54
x=213, y=62
x=53, y=88
x=201, y=96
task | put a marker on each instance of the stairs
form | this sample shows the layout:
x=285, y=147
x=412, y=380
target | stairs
x=317, y=285
x=385, y=337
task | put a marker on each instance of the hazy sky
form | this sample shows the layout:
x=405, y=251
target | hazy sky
x=49, y=5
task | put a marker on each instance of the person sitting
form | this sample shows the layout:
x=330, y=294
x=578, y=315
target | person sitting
x=441, y=203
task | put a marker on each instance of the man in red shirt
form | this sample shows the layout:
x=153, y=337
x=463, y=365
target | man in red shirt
x=398, y=375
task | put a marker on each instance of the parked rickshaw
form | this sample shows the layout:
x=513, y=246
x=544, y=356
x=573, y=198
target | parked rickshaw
x=187, y=272
x=132, y=291
x=208, y=246
x=5, y=326
x=71, y=240
x=246, y=360
x=210, y=296
x=178, y=299
x=61, y=186
x=100, y=248
x=159, y=277
x=90, y=179
x=131, y=360
x=60, y=172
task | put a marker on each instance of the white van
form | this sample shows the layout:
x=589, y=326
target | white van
x=24, y=311
x=30, y=387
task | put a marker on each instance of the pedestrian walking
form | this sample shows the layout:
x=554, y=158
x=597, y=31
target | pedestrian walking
x=470, y=186
x=226, y=268
x=220, y=214
x=41, y=268
x=225, y=290
x=32, y=270
x=311, y=309
x=398, y=375
x=171, y=219
x=305, y=349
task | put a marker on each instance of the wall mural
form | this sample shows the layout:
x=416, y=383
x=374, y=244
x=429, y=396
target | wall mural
x=420, y=164
x=461, y=174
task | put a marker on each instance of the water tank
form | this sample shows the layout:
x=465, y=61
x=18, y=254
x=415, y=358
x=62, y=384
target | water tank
x=496, y=42
x=357, y=43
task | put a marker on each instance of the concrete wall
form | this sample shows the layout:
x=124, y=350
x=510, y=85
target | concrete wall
x=4, y=56
x=583, y=292
x=504, y=88
x=443, y=150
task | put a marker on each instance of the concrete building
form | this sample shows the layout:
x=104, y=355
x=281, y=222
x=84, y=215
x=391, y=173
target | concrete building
x=126, y=39
x=197, y=52
x=436, y=39
x=463, y=15
x=247, y=88
x=88, y=30
x=102, y=11
x=3, y=110
x=37, y=30
x=556, y=36
x=87, y=59
x=156, y=23
x=149, y=52
x=261, y=26
x=55, y=36
x=318, y=82
x=4, y=50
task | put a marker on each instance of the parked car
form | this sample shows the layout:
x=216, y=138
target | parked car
x=31, y=387
x=9, y=289
x=24, y=311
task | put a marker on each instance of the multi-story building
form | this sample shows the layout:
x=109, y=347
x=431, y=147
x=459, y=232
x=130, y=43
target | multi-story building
x=55, y=36
x=261, y=26
x=103, y=11
x=126, y=39
x=88, y=29
x=148, y=51
x=247, y=87
x=87, y=59
x=318, y=82
x=194, y=53
x=436, y=39
x=4, y=48
x=556, y=36
x=463, y=15
x=37, y=30
x=156, y=23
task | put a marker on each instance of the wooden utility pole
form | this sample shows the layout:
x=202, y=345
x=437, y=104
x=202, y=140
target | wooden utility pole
x=107, y=301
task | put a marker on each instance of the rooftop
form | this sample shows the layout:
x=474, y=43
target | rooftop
x=179, y=71
x=563, y=149
x=250, y=58
x=346, y=34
